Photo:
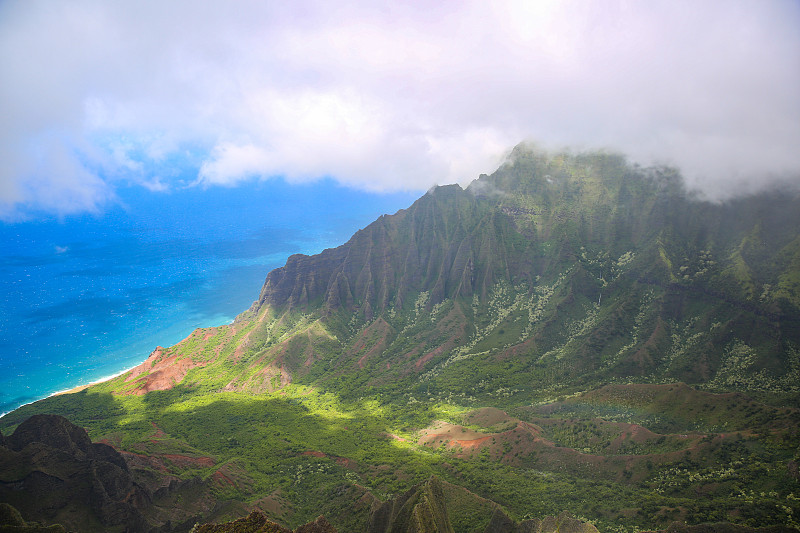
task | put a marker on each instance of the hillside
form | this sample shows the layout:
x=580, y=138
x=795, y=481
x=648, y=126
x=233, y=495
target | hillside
x=572, y=333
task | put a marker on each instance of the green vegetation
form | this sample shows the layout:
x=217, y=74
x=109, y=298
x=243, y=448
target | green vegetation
x=529, y=339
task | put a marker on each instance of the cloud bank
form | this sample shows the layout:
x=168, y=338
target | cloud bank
x=385, y=96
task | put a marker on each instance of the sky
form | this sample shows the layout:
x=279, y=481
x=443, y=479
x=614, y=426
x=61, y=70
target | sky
x=384, y=96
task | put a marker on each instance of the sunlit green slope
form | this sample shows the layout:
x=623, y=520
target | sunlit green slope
x=529, y=338
x=557, y=273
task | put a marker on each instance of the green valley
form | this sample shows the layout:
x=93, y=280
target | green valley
x=572, y=333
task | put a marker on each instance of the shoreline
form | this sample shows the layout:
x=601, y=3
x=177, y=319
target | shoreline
x=72, y=390
x=226, y=320
x=75, y=389
x=79, y=388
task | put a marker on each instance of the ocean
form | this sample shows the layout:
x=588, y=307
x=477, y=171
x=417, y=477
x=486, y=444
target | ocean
x=83, y=298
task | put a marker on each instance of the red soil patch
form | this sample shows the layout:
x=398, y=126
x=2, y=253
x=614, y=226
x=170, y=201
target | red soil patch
x=379, y=328
x=448, y=434
x=241, y=347
x=642, y=356
x=452, y=326
x=427, y=357
x=396, y=437
x=470, y=443
x=165, y=463
x=154, y=356
x=275, y=503
x=185, y=462
x=158, y=433
x=347, y=463
x=342, y=461
x=138, y=460
x=115, y=441
x=525, y=347
x=314, y=454
x=160, y=373
x=221, y=480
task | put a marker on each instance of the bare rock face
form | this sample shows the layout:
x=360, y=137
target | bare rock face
x=52, y=472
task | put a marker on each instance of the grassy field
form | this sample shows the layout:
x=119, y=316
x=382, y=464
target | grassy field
x=301, y=452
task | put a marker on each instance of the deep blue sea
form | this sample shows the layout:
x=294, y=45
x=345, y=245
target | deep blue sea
x=85, y=297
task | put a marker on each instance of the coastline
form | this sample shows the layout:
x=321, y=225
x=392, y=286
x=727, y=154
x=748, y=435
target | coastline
x=79, y=388
x=224, y=319
x=75, y=389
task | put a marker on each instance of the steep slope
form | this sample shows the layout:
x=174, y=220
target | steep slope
x=556, y=273
x=50, y=469
x=52, y=472
x=524, y=338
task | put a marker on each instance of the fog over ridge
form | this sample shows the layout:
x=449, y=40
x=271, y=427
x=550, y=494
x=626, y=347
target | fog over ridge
x=396, y=96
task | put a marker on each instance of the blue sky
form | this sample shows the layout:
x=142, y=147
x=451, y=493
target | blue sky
x=384, y=96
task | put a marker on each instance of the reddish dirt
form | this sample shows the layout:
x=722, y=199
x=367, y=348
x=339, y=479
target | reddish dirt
x=241, y=347
x=347, y=463
x=159, y=372
x=342, y=461
x=275, y=504
x=115, y=441
x=138, y=460
x=523, y=443
x=221, y=480
x=470, y=443
x=158, y=432
x=427, y=357
x=445, y=433
x=154, y=356
x=528, y=346
x=396, y=437
x=379, y=328
x=166, y=463
x=642, y=356
x=184, y=462
x=452, y=325
x=314, y=454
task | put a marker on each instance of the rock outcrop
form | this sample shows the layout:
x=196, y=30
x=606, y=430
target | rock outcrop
x=52, y=472
x=12, y=521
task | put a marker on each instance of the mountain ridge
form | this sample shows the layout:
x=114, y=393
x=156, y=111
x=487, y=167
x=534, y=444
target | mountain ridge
x=574, y=293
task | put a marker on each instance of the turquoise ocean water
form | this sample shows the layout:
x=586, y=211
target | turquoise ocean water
x=85, y=297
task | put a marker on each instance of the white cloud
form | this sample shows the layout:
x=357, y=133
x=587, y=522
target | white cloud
x=232, y=163
x=387, y=96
